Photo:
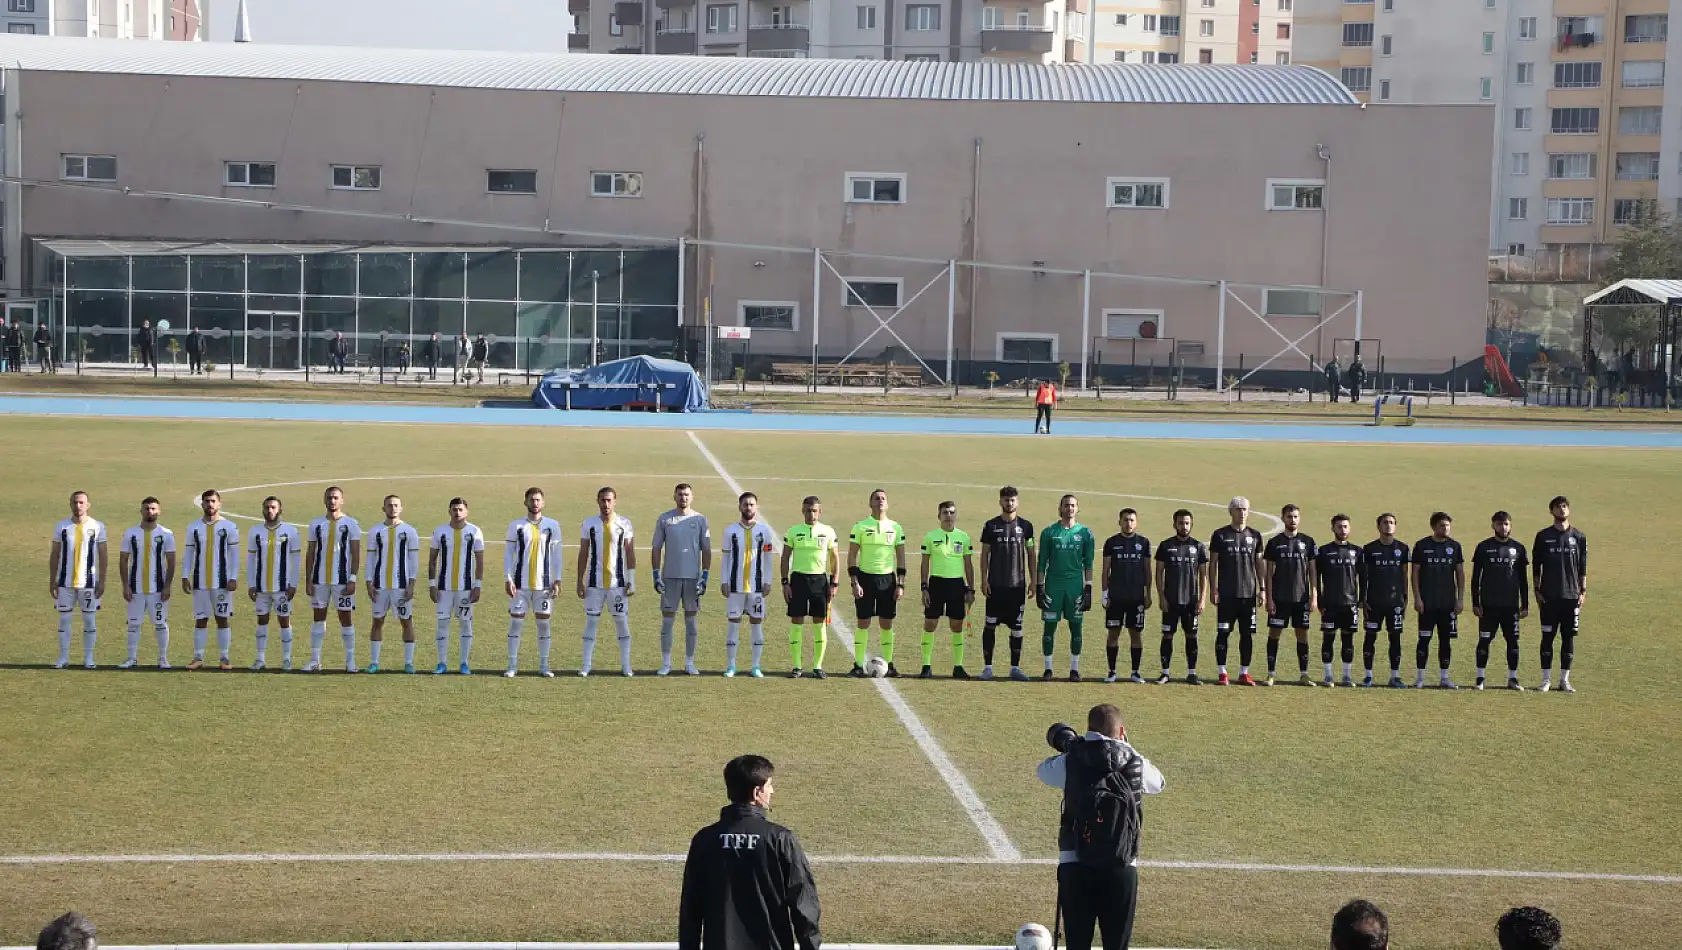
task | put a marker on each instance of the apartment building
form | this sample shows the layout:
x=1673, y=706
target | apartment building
x=1194, y=31
x=1582, y=145
x=105, y=19
x=1029, y=31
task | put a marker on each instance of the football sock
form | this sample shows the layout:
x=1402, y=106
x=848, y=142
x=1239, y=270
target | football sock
x=861, y=645
x=64, y=638
x=374, y=647
x=133, y=641
x=1422, y=653
x=797, y=643
x=1076, y=628
x=1167, y=652
x=1512, y=655
x=1369, y=650
x=1191, y=653
x=1328, y=667
x=1272, y=655
x=989, y=639
x=732, y=636
x=755, y=630
x=318, y=634
x=1327, y=641
x=1348, y=651
x=545, y=640
x=1445, y=653
x=262, y=643
x=1048, y=642
x=465, y=625
x=1395, y=651
x=887, y=642
x=90, y=636
x=1246, y=647
x=928, y=648
x=1347, y=665
x=958, y=638
x=1302, y=656
x=347, y=635
x=1112, y=652
x=667, y=621
x=161, y=631
x=1567, y=647
x=1223, y=639
x=224, y=640
x=691, y=636
x=1135, y=654
x=1015, y=649
x=443, y=640
x=286, y=644
x=820, y=643
x=515, y=624
x=201, y=636
x=1482, y=654
x=1074, y=663
x=589, y=656
x=408, y=653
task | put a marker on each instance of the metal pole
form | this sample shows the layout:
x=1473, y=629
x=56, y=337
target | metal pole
x=817, y=309
x=951, y=313
x=1220, y=342
x=1360, y=299
x=681, y=243
x=595, y=313
x=1085, y=325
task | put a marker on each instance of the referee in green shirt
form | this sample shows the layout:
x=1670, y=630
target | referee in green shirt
x=948, y=587
x=876, y=565
x=810, y=568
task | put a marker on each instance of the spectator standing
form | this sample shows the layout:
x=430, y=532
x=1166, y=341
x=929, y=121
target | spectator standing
x=1045, y=398
x=746, y=882
x=1357, y=377
x=337, y=350
x=145, y=340
x=70, y=932
x=481, y=355
x=44, y=348
x=429, y=354
x=14, y=347
x=4, y=365
x=1529, y=928
x=195, y=352
x=464, y=354
x=1333, y=379
x=1360, y=925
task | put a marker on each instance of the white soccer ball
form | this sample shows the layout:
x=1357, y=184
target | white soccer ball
x=1033, y=937
x=876, y=668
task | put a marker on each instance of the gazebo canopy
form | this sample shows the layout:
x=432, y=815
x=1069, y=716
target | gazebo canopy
x=1636, y=292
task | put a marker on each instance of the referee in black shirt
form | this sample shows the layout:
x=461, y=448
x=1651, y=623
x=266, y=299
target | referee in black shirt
x=1559, y=564
x=1500, y=594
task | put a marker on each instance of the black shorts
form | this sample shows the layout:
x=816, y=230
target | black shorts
x=1503, y=620
x=946, y=599
x=1005, y=606
x=1440, y=620
x=1239, y=611
x=809, y=596
x=1295, y=615
x=1183, y=616
x=1337, y=618
x=1131, y=616
x=878, y=600
x=1392, y=618
x=1561, y=617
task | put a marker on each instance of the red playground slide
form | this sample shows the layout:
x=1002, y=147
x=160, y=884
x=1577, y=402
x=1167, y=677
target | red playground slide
x=1496, y=366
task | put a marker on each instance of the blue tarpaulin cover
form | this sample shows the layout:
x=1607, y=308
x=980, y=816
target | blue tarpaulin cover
x=629, y=382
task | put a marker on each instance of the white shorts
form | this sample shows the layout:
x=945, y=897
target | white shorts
x=76, y=598
x=148, y=607
x=395, y=601
x=613, y=598
x=276, y=603
x=334, y=596
x=213, y=603
x=457, y=603
x=753, y=605
x=540, y=602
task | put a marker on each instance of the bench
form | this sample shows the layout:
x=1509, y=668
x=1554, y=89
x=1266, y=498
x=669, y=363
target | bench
x=845, y=374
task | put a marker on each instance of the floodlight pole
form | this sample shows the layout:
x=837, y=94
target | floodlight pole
x=1220, y=342
x=951, y=315
x=817, y=309
x=1085, y=324
x=595, y=313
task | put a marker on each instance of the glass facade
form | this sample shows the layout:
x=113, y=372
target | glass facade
x=536, y=306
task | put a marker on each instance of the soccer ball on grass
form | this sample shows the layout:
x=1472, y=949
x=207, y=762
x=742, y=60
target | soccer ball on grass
x=876, y=668
x=1033, y=937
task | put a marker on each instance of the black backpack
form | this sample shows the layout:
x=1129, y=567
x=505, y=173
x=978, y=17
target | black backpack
x=1107, y=815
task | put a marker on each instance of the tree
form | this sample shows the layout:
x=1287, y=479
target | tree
x=1650, y=248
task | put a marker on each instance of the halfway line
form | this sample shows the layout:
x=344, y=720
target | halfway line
x=998, y=842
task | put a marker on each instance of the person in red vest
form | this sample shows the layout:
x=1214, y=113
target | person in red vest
x=1044, y=398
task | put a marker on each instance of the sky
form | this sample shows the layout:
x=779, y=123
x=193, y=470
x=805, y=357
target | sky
x=530, y=25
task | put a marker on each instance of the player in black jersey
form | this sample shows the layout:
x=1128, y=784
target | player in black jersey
x=1126, y=584
x=1559, y=564
x=1235, y=583
x=1290, y=590
x=1337, y=568
x=1182, y=568
x=1439, y=584
x=1500, y=593
x=1384, y=596
x=1008, y=568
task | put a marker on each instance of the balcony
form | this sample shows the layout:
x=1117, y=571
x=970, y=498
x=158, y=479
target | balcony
x=628, y=14
x=778, y=37
x=578, y=42
x=1014, y=38
x=671, y=4
x=578, y=6
x=632, y=49
x=675, y=41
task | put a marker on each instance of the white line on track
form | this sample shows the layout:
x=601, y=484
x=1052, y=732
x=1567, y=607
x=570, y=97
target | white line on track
x=1242, y=867
x=998, y=842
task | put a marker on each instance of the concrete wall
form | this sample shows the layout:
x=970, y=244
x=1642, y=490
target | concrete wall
x=1407, y=218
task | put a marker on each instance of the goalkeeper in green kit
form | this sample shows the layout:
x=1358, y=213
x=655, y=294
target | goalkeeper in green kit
x=1066, y=552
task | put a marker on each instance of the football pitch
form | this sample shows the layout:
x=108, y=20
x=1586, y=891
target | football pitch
x=398, y=807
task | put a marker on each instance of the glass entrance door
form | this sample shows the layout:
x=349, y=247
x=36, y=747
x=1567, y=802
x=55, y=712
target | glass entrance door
x=273, y=339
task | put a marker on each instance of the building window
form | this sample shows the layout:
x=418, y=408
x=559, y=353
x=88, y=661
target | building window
x=1205, y=56
x=1121, y=19
x=870, y=292
x=1357, y=78
x=1281, y=58
x=1284, y=6
x=867, y=18
x=782, y=16
x=1384, y=90
x=1255, y=28
x=1208, y=4
x=1578, y=30
x=1293, y=194
x=1639, y=120
x=1570, y=210
x=20, y=6
x=922, y=17
x=1253, y=55
x=769, y=314
x=1577, y=121
x=1571, y=165
x=1170, y=25
x=1638, y=166
x=1027, y=347
x=1385, y=45
x=1291, y=303
x=1650, y=28
x=1518, y=208
x=1357, y=34
x=1515, y=250
x=511, y=181
x=1138, y=192
x=1526, y=27
x=616, y=184
x=1283, y=31
x=1632, y=210
x=1488, y=43
x=1521, y=163
x=1148, y=23
x=1521, y=119
x=1486, y=88
x=1169, y=58
x=1132, y=324
x=249, y=174
x=1205, y=27
x=614, y=27
x=1526, y=74
x=1389, y=6
x=1489, y=4
x=1358, y=1
x=1576, y=75
x=721, y=18
x=1120, y=55
x=872, y=188
x=356, y=177
x=26, y=29
x=1148, y=57
x=88, y=168
x=1643, y=73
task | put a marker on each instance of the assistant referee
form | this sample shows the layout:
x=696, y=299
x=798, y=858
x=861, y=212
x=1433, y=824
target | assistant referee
x=876, y=565
x=809, y=571
x=948, y=587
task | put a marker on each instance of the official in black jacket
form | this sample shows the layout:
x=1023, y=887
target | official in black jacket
x=746, y=882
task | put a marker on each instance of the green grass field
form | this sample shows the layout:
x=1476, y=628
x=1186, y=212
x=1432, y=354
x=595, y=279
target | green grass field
x=114, y=762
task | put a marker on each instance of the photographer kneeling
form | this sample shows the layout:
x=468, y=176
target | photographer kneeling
x=1102, y=779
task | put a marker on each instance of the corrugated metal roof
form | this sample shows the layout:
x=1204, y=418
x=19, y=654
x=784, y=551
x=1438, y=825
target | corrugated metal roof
x=1637, y=291
x=688, y=75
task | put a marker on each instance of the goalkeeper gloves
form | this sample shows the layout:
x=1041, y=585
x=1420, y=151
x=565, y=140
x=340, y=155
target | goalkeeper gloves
x=1043, y=598
x=701, y=585
x=659, y=588
x=1086, y=598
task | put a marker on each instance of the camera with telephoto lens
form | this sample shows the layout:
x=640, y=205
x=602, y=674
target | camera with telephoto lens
x=1060, y=735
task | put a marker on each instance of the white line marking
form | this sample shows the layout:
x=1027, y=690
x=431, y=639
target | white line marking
x=998, y=842
x=1244, y=867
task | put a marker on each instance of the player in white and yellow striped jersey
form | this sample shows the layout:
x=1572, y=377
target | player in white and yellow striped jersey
x=749, y=548
x=393, y=565
x=456, y=572
x=146, y=562
x=331, y=552
x=531, y=567
x=76, y=576
x=274, y=560
x=210, y=575
x=607, y=564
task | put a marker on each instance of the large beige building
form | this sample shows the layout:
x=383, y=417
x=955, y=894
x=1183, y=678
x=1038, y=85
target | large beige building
x=104, y=19
x=1193, y=31
x=996, y=212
